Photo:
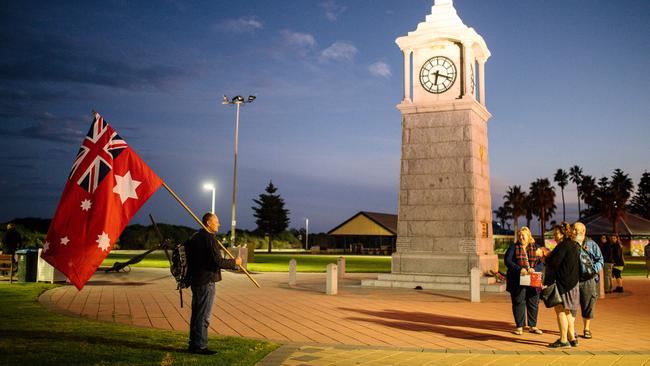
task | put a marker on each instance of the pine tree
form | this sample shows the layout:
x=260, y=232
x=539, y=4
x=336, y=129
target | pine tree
x=640, y=204
x=271, y=216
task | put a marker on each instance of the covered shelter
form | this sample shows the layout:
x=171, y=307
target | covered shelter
x=366, y=233
x=633, y=230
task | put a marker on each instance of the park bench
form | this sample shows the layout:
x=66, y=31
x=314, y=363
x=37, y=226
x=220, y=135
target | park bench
x=7, y=267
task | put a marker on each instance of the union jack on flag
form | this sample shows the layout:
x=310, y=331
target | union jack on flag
x=95, y=157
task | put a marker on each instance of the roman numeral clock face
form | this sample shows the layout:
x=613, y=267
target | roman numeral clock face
x=438, y=74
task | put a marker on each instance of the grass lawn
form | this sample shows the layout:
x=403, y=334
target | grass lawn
x=318, y=263
x=269, y=262
x=32, y=335
x=634, y=266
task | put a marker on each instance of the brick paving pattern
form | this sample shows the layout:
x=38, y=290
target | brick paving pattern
x=366, y=325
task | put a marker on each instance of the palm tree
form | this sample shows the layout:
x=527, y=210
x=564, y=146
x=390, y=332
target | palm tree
x=528, y=204
x=587, y=191
x=621, y=188
x=542, y=195
x=515, y=202
x=562, y=179
x=503, y=214
x=575, y=173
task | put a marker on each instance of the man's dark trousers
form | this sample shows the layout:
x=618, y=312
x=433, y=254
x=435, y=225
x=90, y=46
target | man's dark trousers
x=202, y=299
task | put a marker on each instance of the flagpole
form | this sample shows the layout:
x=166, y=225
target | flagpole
x=206, y=229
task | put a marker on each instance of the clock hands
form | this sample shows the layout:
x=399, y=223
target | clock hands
x=438, y=74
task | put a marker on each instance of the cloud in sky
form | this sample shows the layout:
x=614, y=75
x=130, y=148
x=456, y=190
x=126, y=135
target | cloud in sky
x=339, y=51
x=64, y=59
x=380, y=68
x=297, y=39
x=332, y=10
x=240, y=25
x=46, y=126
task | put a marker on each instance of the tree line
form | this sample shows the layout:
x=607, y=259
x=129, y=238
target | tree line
x=610, y=197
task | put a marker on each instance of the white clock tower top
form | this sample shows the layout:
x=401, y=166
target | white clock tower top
x=443, y=40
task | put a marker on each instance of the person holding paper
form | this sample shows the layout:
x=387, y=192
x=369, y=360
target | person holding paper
x=523, y=262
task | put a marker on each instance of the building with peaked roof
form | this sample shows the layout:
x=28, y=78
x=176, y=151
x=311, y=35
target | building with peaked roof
x=366, y=233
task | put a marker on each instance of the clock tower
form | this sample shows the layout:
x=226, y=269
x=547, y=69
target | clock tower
x=444, y=217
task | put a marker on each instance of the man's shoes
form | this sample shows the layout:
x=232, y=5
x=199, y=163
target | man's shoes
x=618, y=289
x=558, y=344
x=535, y=330
x=587, y=334
x=574, y=343
x=200, y=351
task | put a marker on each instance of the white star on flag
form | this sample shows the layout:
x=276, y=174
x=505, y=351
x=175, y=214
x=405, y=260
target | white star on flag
x=86, y=204
x=125, y=186
x=103, y=242
x=65, y=240
x=46, y=246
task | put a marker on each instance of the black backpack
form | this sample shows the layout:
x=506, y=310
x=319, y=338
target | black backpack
x=179, y=266
x=587, y=271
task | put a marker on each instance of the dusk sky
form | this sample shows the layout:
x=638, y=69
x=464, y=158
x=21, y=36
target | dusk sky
x=567, y=84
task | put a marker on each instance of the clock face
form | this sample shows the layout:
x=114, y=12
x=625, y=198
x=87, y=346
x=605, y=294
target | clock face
x=438, y=74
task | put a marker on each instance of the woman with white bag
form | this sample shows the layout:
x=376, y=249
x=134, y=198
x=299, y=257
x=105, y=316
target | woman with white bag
x=523, y=280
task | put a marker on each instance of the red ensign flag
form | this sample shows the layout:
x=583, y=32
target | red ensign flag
x=107, y=185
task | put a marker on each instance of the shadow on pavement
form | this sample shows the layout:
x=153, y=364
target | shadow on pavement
x=445, y=325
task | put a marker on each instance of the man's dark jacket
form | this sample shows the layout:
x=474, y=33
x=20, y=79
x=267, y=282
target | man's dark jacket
x=205, y=260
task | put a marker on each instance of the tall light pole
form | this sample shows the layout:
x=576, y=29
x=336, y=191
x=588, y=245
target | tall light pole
x=306, y=233
x=237, y=100
x=210, y=186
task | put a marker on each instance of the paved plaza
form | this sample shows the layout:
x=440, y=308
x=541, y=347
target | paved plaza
x=369, y=326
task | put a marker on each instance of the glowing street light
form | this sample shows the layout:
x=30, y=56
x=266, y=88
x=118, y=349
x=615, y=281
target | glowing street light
x=210, y=186
x=237, y=100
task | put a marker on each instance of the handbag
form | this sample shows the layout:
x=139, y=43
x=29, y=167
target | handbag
x=551, y=296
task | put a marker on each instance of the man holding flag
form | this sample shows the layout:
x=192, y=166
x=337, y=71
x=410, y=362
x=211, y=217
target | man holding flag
x=107, y=185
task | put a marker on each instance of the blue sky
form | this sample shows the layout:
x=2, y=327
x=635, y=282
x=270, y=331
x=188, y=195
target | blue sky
x=566, y=84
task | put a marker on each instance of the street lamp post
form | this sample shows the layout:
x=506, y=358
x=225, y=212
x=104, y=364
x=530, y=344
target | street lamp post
x=306, y=233
x=237, y=100
x=210, y=186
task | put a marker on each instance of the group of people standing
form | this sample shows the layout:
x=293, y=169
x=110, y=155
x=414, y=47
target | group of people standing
x=560, y=267
x=614, y=262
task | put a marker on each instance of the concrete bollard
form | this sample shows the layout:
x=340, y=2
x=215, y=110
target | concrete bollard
x=601, y=284
x=242, y=252
x=292, y=272
x=331, y=286
x=475, y=285
x=341, y=268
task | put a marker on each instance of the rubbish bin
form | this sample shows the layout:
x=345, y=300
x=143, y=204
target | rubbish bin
x=27, y=265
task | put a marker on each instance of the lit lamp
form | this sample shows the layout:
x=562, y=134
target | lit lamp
x=237, y=100
x=210, y=186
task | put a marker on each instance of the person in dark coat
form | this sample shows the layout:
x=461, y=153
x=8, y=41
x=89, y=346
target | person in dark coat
x=204, y=261
x=522, y=259
x=616, y=252
x=606, y=249
x=563, y=269
x=12, y=240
